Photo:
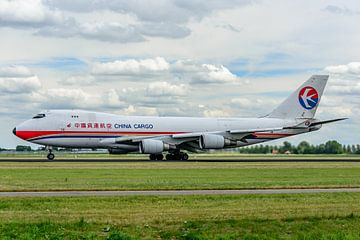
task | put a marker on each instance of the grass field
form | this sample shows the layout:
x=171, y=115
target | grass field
x=299, y=216
x=277, y=216
x=176, y=175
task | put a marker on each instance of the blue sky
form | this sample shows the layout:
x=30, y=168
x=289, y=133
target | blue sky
x=228, y=58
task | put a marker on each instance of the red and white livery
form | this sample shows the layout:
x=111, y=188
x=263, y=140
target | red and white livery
x=155, y=135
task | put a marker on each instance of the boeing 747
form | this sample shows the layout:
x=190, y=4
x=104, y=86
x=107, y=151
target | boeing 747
x=156, y=135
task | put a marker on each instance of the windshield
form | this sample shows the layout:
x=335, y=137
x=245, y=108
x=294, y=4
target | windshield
x=40, y=115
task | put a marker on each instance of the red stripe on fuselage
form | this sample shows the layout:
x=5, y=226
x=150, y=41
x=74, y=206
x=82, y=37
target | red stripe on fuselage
x=34, y=134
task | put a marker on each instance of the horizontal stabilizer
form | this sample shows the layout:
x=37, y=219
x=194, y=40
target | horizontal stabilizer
x=326, y=121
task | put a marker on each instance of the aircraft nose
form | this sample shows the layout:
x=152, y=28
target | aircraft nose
x=14, y=131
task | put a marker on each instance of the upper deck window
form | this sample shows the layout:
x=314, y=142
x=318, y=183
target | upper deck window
x=40, y=115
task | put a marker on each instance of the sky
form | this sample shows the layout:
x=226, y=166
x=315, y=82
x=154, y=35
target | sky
x=229, y=58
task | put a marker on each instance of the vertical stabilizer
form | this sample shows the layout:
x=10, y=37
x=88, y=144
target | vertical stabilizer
x=304, y=101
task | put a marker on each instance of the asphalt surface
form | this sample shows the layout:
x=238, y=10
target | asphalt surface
x=175, y=192
x=265, y=160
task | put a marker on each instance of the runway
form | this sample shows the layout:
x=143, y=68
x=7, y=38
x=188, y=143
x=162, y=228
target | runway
x=176, y=192
x=265, y=160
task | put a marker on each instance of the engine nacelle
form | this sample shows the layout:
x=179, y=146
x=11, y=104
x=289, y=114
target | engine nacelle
x=153, y=146
x=212, y=141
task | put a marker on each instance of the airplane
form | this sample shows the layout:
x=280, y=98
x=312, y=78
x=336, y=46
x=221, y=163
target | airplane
x=156, y=135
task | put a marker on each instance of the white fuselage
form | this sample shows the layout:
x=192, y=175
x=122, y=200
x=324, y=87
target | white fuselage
x=85, y=129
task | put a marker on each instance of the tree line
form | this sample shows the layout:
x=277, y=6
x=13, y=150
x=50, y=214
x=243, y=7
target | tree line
x=330, y=147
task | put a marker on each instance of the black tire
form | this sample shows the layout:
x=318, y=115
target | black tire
x=159, y=157
x=152, y=157
x=168, y=156
x=177, y=157
x=50, y=156
x=185, y=157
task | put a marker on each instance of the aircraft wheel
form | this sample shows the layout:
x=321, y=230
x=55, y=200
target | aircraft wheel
x=152, y=157
x=185, y=156
x=50, y=156
x=168, y=156
x=177, y=156
x=159, y=157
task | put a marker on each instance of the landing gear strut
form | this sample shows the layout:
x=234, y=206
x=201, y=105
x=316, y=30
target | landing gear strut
x=50, y=155
x=170, y=156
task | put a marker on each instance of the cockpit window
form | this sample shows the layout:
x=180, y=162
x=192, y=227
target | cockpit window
x=40, y=115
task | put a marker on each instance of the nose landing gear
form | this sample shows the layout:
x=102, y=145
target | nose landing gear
x=50, y=155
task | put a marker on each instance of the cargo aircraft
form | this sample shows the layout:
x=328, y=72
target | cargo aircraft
x=156, y=135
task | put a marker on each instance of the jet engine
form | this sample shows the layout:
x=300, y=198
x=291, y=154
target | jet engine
x=212, y=141
x=153, y=146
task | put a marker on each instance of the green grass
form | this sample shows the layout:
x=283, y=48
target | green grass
x=277, y=216
x=166, y=176
x=285, y=216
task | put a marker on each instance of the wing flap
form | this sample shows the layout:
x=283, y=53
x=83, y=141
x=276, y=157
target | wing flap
x=244, y=131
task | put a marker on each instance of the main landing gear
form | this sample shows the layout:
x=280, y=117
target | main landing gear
x=170, y=156
x=50, y=155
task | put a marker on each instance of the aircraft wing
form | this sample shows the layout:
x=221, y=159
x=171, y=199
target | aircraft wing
x=187, y=137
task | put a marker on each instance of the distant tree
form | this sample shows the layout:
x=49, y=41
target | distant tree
x=303, y=147
x=353, y=148
x=348, y=149
x=330, y=147
x=22, y=148
x=333, y=147
x=286, y=147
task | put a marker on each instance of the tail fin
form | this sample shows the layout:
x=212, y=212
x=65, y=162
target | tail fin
x=304, y=101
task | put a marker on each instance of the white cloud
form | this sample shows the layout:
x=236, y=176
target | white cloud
x=166, y=89
x=15, y=71
x=51, y=18
x=163, y=29
x=64, y=98
x=185, y=70
x=102, y=31
x=216, y=74
x=68, y=98
x=111, y=99
x=176, y=11
x=347, y=89
x=345, y=79
x=203, y=73
x=216, y=113
x=340, y=10
x=19, y=85
x=131, y=67
x=79, y=80
x=140, y=111
x=350, y=68
x=28, y=13
x=18, y=79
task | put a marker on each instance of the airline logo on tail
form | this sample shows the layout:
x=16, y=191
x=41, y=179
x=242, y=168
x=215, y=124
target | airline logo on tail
x=308, y=97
